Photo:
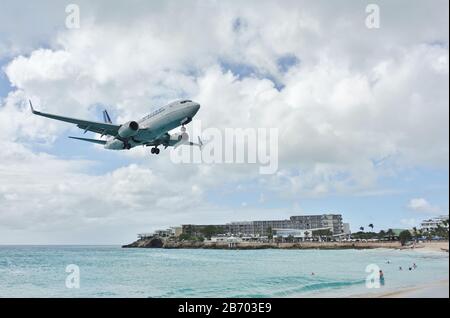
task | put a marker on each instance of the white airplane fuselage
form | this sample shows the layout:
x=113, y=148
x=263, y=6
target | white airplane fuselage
x=155, y=125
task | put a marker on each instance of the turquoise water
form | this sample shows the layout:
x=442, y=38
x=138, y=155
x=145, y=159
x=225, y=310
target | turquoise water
x=109, y=271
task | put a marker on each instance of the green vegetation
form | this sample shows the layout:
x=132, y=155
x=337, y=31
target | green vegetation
x=187, y=237
x=365, y=235
x=405, y=236
x=211, y=230
x=440, y=231
x=322, y=233
x=289, y=239
x=390, y=233
x=382, y=235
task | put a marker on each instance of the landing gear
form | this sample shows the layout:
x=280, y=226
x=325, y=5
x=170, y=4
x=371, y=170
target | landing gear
x=155, y=151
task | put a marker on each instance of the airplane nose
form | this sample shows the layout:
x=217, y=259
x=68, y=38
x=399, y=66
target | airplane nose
x=195, y=108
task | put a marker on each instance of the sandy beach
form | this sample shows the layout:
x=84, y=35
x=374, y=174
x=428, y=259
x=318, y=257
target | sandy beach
x=433, y=290
x=434, y=246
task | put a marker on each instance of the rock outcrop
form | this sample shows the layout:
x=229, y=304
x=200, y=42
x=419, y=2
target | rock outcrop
x=150, y=242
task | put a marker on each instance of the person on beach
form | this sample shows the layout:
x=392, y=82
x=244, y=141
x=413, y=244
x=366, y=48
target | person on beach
x=414, y=265
x=400, y=268
x=381, y=277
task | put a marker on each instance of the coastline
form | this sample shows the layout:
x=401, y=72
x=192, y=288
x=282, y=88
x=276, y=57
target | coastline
x=168, y=244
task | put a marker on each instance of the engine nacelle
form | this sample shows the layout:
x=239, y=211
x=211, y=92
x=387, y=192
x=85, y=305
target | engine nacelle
x=183, y=137
x=128, y=129
x=177, y=138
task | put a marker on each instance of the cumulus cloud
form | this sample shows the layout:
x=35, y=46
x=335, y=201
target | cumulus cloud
x=351, y=104
x=423, y=206
x=42, y=193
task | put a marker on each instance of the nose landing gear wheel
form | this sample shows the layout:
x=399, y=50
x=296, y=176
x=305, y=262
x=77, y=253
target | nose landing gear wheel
x=154, y=150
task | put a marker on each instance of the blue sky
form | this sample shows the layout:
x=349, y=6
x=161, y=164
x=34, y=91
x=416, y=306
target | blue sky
x=363, y=128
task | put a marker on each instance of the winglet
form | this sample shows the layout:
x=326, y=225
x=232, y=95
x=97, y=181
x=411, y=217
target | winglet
x=106, y=117
x=31, y=107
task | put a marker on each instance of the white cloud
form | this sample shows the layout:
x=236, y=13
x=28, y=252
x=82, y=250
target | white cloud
x=358, y=105
x=423, y=206
x=42, y=193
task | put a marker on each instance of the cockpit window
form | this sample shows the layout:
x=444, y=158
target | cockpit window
x=185, y=101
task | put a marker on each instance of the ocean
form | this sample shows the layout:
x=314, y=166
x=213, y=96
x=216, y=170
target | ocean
x=110, y=271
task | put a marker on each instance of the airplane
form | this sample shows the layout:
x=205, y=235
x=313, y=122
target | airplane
x=151, y=130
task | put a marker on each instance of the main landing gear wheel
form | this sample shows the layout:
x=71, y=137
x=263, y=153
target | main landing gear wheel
x=155, y=151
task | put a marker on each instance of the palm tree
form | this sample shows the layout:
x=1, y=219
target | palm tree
x=390, y=233
x=362, y=228
x=371, y=226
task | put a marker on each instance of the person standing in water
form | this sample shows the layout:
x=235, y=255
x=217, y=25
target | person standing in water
x=381, y=277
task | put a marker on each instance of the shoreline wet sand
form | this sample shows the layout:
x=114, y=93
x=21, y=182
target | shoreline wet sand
x=438, y=289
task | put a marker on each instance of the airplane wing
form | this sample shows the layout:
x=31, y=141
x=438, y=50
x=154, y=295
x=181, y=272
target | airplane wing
x=86, y=125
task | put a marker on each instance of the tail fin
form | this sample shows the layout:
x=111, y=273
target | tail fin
x=106, y=117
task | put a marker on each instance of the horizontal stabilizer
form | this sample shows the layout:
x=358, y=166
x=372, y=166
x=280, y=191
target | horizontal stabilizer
x=97, y=141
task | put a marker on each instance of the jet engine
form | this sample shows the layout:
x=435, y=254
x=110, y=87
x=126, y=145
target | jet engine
x=179, y=137
x=128, y=129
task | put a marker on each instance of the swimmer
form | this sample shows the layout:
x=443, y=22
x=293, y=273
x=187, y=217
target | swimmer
x=400, y=268
x=414, y=265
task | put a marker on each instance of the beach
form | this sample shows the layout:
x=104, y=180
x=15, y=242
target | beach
x=434, y=246
x=434, y=290
x=439, y=289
